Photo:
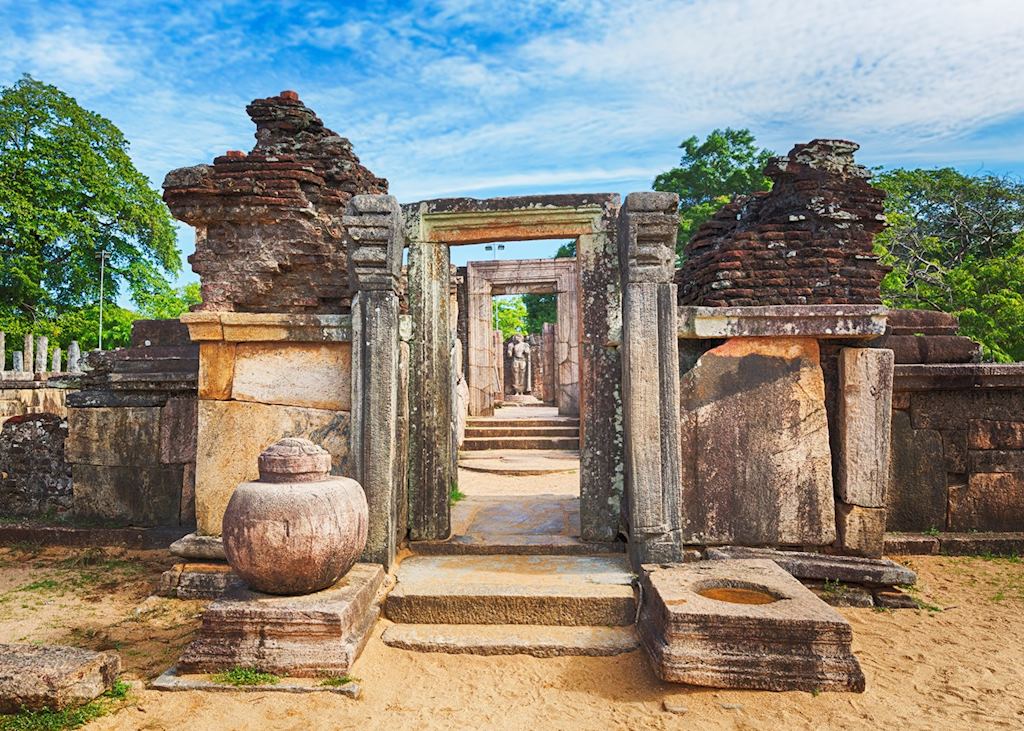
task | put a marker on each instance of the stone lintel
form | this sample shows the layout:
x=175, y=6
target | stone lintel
x=240, y=327
x=812, y=321
x=957, y=376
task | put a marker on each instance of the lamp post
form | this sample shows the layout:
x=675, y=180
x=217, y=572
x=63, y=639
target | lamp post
x=103, y=261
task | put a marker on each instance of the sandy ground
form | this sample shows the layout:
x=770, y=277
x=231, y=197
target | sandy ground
x=482, y=484
x=960, y=668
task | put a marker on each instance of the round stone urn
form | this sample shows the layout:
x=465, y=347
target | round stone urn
x=298, y=529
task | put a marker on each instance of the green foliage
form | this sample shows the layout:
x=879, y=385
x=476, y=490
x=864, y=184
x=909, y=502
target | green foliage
x=245, y=676
x=71, y=718
x=955, y=244
x=510, y=315
x=454, y=493
x=338, y=681
x=727, y=163
x=542, y=308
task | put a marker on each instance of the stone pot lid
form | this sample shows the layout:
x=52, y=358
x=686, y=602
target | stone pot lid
x=294, y=459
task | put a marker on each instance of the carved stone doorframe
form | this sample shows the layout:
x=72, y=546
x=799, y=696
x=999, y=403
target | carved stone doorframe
x=486, y=279
x=432, y=227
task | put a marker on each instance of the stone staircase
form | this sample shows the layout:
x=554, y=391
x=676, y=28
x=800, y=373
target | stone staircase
x=503, y=604
x=488, y=432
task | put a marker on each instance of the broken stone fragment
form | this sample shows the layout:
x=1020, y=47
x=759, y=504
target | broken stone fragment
x=53, y=676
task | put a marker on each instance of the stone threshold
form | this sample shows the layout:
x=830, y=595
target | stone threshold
x=955, y=544
x=85, y=537
x=813, y=321
x=170, y=680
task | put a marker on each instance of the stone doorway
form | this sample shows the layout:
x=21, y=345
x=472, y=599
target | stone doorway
x=590, y=285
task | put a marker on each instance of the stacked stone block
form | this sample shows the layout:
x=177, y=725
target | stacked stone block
x=35, y=479
x=132, y=430
x=806, y=242
x=269, y=236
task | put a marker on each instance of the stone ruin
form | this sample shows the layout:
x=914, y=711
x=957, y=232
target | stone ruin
x=757, y=404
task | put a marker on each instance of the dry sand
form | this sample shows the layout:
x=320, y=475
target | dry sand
x=961, y=668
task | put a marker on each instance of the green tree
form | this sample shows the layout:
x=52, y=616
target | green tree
x=542, y=308
x=727, y=163
x=68, y=190
x=956, y=244
x=510, y=315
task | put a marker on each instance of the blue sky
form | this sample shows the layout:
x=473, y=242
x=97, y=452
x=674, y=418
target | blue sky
x=492, y=98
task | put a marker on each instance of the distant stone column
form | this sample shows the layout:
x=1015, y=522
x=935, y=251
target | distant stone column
x=3, y=351
x=55, y=363
x=16, y=362
x=650, y=376
x=28, y=350
x=74, y=355
x=42, y=344
x=374, y=227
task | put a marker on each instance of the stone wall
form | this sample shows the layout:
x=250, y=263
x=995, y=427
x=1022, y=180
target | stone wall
x=269, y=235
x=132, y=430
x=35, y=481
x=807, y=241
x=957, y=434
x=30, y=397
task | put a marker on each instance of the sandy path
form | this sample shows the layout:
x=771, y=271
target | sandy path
x=962, y=668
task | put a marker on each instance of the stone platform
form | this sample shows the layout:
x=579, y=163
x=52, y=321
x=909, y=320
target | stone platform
x=301, y=636
x=793, y=641
x=521, y=462
x=505, y=639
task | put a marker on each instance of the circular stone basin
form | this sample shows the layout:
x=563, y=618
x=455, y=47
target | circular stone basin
x=737, y=595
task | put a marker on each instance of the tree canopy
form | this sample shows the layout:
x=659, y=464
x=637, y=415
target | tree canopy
x=726, y=164
x=956, y=244
x=509, y=315
x=68, y=190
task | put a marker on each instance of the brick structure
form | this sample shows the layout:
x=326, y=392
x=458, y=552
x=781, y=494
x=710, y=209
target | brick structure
x=34, y=478
x=269, y=236
x=806, y=242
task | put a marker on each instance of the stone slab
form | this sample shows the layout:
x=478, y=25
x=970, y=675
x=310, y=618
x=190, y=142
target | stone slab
x=197, y=581
x=894, y=599
x=265, y=327
x=548, y=590
x=864, y=426
x=915, y=497
x=841, y=595
x=233, y=433
x=62, y=535
x=137, y=495
x=501, y=639
x=195, y=546
x=911, y=544
x=304, y=636
x=756, y=461
x=816, y=321
x=314, y=375
x=171, y=680
x=981, y=544
x=861, y=530
x=989, y=501
x=113, y=436
x=53, y=676
x=957, y=376
x=821, y=567
x=794, y=642
x=994, y=434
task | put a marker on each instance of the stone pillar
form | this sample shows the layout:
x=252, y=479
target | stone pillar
x=17, y=362
x=480, y=365
x=3, y=351
x=650, y=376
x=864, y=413
x=430, y=403
x=74, y=355
x=42, y=343
x=567, y=350
x=56, y=362
x=374, y=226
x=28, y=352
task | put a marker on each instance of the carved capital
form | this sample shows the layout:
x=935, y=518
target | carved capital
x=374, y=232
x=648, y=223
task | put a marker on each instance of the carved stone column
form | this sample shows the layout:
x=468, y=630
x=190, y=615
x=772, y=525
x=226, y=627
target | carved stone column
x=650, y=376
x=374, y=226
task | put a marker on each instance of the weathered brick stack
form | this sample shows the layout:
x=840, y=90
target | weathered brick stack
x=806, y=242
x=35, y=480
x=268, y=231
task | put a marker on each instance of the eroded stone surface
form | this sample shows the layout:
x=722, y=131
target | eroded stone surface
x=305, y=636
x=756, y=463
x=864, y=428
x=822, y=567
x=795, y=642
x=53, y=676
x=316, y=375
x=503, y=639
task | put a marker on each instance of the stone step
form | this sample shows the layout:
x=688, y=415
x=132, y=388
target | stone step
x=488, y=421
x=516, y=639
x=545, y=590
x=477, y=443
x=475, y=432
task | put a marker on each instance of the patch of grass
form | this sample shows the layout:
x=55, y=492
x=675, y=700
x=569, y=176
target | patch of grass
x=49, y=720
x=933, y=531
x=43, y=585
x=245, y=676
x=455, y=494
x=834, y=587
x=338, y=681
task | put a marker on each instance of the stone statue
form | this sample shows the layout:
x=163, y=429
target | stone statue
x=519, y=351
